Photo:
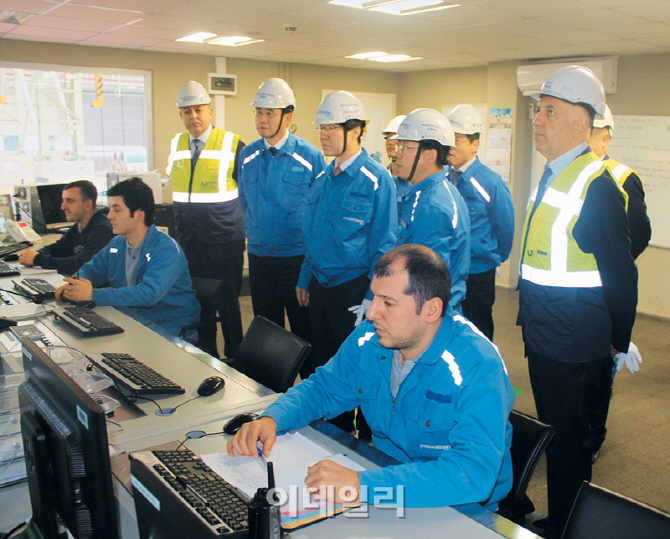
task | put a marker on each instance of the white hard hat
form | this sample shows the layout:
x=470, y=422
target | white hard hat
x=578, y=85
x=274, y=93
x=465, y=120
x=193, y=93
x=338, y=107
x=607, y=121
x=393, y=125
x=426, y=124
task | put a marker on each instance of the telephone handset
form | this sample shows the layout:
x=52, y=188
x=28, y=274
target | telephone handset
x=21, y=231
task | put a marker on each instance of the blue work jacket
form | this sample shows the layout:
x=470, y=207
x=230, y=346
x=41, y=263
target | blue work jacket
x=163, y=293
x=350, y=221
x=448, y=425
x=491, y=212
x=272, y=191
x=435, y=215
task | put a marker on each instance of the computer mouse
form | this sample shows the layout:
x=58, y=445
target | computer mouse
x=11, y=258
x=236, y=422
x=211, y=385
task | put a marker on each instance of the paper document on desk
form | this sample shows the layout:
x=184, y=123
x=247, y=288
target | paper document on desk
x=291, y=456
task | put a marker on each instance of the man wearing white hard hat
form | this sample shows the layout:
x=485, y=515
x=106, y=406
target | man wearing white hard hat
x=276, y=172
x=391, y=144
x=208, y=215
x=640, y=234
x=491, y=213
x=350, y=221
x=433, y=212
x=578, y=286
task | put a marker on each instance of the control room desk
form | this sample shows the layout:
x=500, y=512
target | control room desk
x=471, y=521
x=162, y=353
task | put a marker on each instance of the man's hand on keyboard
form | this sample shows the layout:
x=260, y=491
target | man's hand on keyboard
x=329, y=479
x=246, y=440
x=75, y=290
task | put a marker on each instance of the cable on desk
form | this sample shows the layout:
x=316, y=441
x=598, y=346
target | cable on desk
x=196, y=435
x=15, y=293
x=146, y=399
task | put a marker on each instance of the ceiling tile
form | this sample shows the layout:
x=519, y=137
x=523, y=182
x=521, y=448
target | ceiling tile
x=27, y=6
x=531, y=8
x=47, y=34
x=591, y=19
x=657, y=11
x=48, y=21
x=146, y=6
x=126, y=42
x=637, y=31
x=96, y=14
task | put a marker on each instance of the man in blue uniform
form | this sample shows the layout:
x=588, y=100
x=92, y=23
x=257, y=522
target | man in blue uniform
x=350, y=221
x=434, y=390
x=142, y=271
x=578, y=286
x=208, y=217
x=276, y=173
x=491, y=213
x=433, y=212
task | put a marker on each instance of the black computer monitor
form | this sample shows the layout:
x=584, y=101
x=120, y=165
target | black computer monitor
x=51, y=198
x=66, y=452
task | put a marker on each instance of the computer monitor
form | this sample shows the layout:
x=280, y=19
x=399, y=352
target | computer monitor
x=51, y=200
x=40, y=206
x=66, y=452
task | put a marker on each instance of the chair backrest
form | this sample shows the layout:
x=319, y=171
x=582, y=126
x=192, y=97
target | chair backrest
x=271, y=355
x=530, y=437
x=599, y=513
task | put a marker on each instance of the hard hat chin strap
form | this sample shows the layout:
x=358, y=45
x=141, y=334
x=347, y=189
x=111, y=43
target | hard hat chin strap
x=344, y=146
x=281, y=119
x=416, y=162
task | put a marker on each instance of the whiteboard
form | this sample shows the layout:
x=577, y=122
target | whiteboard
x=643, y=143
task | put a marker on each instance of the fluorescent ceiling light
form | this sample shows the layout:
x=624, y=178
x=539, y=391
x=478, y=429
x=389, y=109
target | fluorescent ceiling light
x=234, y=41
x=395, y=58
x=396, y=7
x=383, y=57
x=367, y=55
x=197, y=38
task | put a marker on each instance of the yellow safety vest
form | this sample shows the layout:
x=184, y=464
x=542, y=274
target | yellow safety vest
x=619, y=171
x=552, y=256
x=213, y=176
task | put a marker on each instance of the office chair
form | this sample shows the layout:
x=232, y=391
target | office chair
x=206, y=291
x=271, y=355
x=530, y=437
x=599, y=513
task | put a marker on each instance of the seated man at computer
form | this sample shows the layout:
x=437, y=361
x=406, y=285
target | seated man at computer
x=143, y=271
x=90, y=233
x=433, y=389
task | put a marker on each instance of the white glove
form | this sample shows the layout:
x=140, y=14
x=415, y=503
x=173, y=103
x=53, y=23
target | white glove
x=360, y=310
x=632, y=359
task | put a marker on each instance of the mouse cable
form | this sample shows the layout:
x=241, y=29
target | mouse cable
x=189, y=400
x=151, y=400
x=15, y=293
x=196, y=435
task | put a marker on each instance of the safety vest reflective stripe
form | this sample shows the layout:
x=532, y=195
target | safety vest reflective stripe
x=572, y=279
x=175, y=154
x=454, y=219
x=569, y=205
x=481, y=190
x=371, y=176
x=302, y=161
x=204, y=198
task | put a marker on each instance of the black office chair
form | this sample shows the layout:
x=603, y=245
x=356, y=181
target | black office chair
x=530, y=438
x=599, y=513
x=206, y=291
x=271, y=355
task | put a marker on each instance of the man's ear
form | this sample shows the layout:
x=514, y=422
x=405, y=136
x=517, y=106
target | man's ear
x=432, y=310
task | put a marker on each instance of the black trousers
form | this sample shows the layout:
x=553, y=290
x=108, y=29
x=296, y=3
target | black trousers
x=479, y=299
x=273, y=280
x=566, y=394
x=224, y=262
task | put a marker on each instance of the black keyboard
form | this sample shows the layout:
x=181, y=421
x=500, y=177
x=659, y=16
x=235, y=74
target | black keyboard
x=87, y=322
x=8, y=271
x=37, y=290
x=14, y=247
x=134, y=375
x=183, y=477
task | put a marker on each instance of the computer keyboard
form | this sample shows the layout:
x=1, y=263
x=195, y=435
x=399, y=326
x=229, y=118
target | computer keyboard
x=37, y=290
x=14, y=247
x=8, y=271
x=87, y=322
x=134, y=375
x=187, y=485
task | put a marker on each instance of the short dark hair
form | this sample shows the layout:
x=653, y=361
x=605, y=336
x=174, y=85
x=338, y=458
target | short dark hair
x=86, y=188
x=137, y=195
x=428, y=274
x=353, y=123
x=473, y=137
x=441, y=149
